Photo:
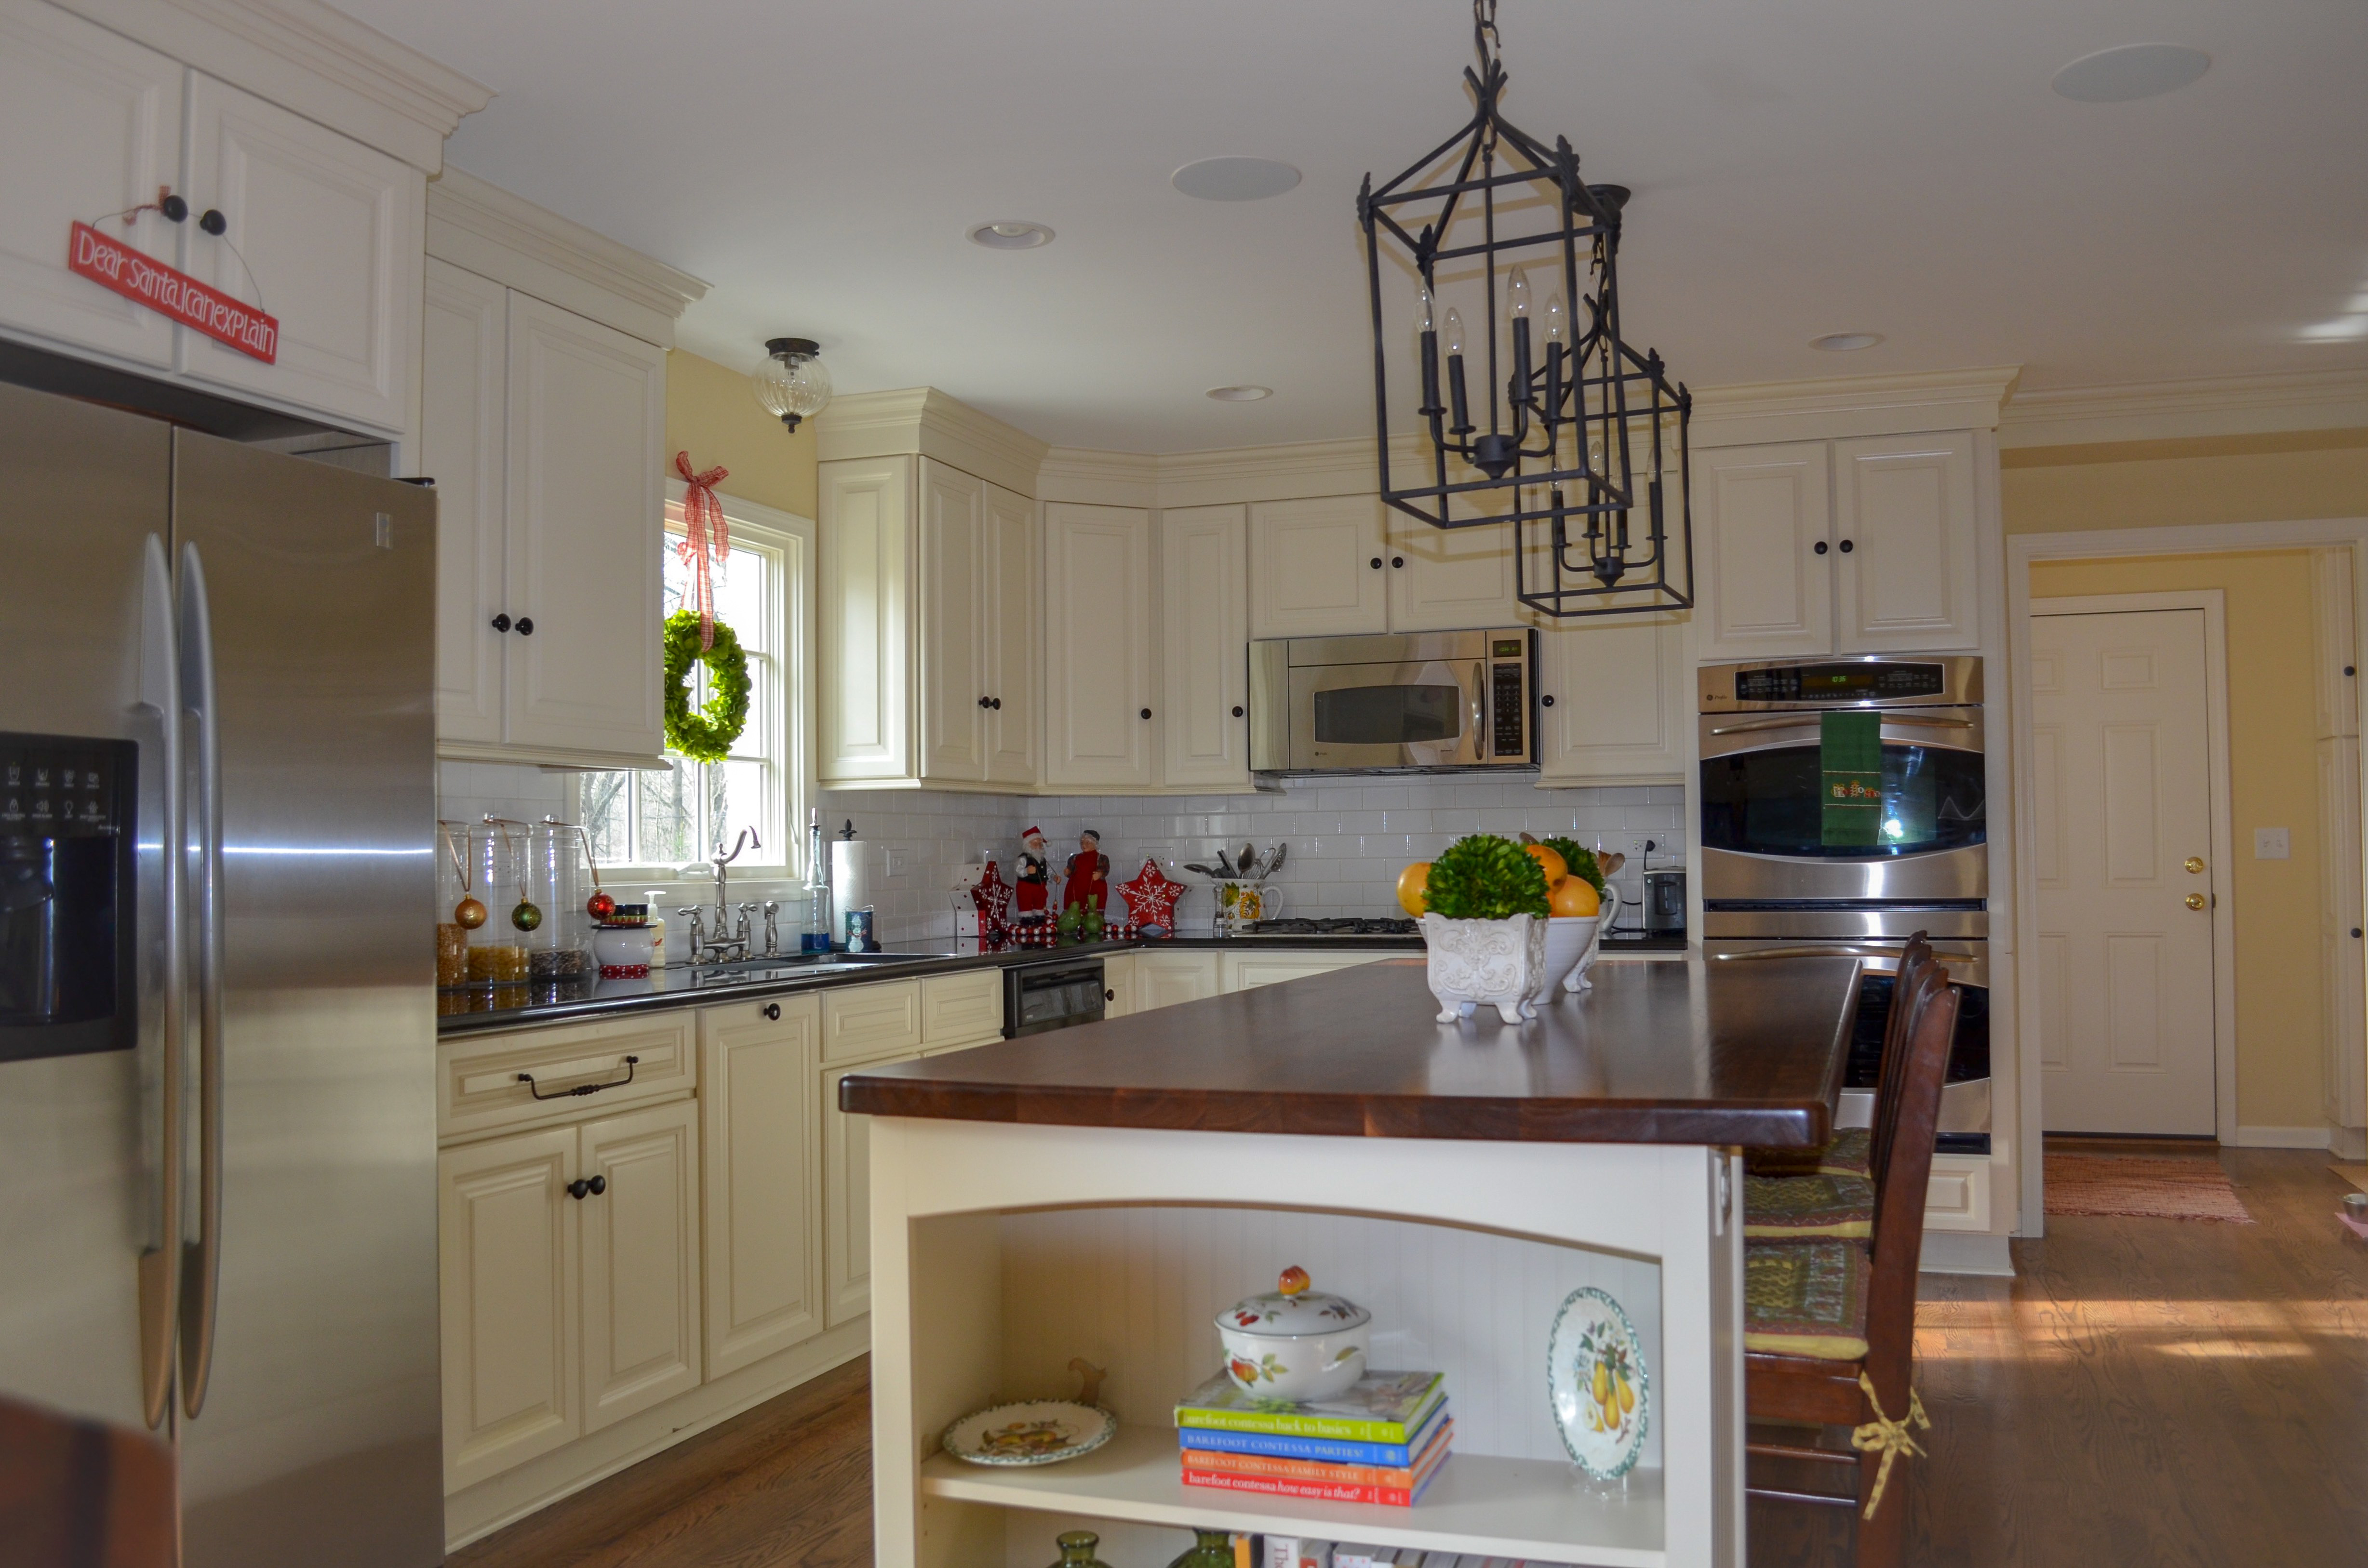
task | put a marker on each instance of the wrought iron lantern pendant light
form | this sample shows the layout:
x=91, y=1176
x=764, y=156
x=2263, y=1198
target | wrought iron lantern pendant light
x=1578, y=440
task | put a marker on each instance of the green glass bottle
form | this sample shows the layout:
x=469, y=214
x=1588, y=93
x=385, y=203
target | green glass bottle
x=1078, y=1550
x=1210, y=1548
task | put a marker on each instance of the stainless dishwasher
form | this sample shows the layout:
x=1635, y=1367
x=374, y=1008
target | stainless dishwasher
x=1052, y=995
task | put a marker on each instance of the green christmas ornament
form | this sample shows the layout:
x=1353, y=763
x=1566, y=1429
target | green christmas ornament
x=525, y=917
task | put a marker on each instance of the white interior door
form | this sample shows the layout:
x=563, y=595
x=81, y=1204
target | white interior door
x=2121, y=762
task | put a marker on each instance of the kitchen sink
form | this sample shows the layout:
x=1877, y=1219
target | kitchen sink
x=745, y=971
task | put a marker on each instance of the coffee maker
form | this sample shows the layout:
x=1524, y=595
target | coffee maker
x=1665, y=903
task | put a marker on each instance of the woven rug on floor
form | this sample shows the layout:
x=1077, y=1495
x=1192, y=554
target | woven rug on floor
x=2148, y=1189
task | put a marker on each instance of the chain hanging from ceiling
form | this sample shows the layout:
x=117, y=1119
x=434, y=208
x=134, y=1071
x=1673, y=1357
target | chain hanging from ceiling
x=1581, y=439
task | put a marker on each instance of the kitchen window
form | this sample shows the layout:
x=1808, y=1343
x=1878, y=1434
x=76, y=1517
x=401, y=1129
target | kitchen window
x=648, y=823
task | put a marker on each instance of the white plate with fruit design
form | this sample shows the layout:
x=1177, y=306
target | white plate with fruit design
x=1598, y=1385
x=1039, y=1431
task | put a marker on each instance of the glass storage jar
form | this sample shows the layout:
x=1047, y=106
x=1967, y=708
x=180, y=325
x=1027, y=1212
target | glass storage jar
x=497, y=860
x=553, y=926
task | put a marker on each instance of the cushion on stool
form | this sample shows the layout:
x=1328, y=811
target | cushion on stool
x=1782, y=1208
x=1805, y=1298
x=1850, y=1151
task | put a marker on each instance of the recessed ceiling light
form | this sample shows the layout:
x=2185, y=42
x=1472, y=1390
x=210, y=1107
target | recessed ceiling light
x=1846, y=342
x=2131, y=71
x=1240, y=395
x=1235, y=179
x=1011, y=234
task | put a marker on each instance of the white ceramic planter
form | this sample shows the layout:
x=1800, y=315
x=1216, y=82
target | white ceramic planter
x=1502, y=962
x=1571, y=944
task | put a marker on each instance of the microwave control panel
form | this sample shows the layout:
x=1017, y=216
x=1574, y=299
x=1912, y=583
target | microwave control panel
x=1509, y=698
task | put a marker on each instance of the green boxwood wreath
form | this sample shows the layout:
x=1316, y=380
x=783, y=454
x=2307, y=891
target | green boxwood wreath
x=706, y=736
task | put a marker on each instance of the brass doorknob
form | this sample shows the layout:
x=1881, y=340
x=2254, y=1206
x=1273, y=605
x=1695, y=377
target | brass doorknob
x=2195, y=865
x=2195, y=901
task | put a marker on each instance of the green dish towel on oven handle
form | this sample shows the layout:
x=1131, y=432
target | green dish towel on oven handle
x=1849, y=763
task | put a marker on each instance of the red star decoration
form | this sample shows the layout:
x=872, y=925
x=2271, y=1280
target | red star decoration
x=992, y=897
x=1151, y=898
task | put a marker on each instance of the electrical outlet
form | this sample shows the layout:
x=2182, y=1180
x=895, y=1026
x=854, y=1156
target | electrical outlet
x=893, y=863
x=2273, y=844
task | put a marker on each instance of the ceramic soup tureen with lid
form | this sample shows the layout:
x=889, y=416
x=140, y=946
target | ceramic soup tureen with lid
x=1294, y=1343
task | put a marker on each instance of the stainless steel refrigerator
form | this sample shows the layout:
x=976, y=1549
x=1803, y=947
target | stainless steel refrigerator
x=217, y=1018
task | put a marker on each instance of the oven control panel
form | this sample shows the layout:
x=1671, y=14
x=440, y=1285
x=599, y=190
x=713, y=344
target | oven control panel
x=1945, y=680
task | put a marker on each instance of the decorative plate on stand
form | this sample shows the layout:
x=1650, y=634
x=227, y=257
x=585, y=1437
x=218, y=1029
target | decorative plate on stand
x=1598, y=1385
x=1036, y=1431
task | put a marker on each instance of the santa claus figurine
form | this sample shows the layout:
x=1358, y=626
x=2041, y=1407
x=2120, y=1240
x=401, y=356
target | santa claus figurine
x=1088, y=884
x=1030, y=879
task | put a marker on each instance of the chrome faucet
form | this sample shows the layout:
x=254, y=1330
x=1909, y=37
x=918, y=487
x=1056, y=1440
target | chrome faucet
x=726, y=944
x=748, y=840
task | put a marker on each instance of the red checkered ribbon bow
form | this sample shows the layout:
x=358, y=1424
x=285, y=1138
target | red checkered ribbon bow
x=706, y=540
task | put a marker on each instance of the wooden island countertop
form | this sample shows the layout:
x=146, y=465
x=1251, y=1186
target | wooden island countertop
x=1692, y=1052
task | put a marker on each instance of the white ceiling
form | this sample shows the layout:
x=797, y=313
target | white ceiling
x=1802, y=168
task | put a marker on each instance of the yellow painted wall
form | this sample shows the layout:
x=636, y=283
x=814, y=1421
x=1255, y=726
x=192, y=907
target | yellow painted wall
x=2156, y=485
x=711, y=413
x=2273, y=782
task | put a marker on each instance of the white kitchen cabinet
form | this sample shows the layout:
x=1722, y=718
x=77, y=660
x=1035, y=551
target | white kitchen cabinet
x=464, y=422
x=1247, y=971
x=1905, y=573
x=1449, y=579
x=1614, y=701
x=507, y=1240
x=641, y=1258
x=96, y=122
x=1859, y=546
x=1319, y=567
x=928, y=596
x=847, y=1206
x=1098, y=647
x=762, y=1183
x=1204, y=635
x=326, y=235
x=1117, y=986
x=1163, y=979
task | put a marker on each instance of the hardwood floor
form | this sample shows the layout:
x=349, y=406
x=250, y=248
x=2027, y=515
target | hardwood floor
x=2157, y=1391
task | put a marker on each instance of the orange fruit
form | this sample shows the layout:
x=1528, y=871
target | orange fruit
x=1550, y=860
x=1574, y=895
x=1414, y=883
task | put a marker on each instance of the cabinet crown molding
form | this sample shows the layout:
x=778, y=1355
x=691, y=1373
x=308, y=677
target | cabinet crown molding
x=310, y=58
x=2218, y=405
x=1099, y=478
x=1840, y=406
x=926, y=422
x=477, y=225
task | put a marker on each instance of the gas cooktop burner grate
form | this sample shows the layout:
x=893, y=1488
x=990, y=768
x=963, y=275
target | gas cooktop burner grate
x=1341, y=925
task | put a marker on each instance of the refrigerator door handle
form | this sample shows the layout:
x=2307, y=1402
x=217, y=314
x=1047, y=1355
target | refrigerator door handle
x=202, y=1271
x=160, y=1265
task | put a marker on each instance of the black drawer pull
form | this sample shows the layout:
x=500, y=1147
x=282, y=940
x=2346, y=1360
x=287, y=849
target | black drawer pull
x=535, y=1090
x=773, y=1011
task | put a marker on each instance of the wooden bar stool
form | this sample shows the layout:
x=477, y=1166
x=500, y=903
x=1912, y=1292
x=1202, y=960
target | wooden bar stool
x=83, y=1494
x=1829, y=1325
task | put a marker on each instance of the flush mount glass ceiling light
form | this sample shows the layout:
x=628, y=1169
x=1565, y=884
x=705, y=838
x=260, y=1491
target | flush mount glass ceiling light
x=791, y=383
x=1579, y=440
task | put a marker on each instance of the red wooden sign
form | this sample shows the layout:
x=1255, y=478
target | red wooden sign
x=174, y=293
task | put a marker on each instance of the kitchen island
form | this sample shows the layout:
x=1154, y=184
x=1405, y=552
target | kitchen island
x=1101, y=1192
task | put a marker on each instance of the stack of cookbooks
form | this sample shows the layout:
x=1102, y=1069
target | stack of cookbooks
x=1382, y=1441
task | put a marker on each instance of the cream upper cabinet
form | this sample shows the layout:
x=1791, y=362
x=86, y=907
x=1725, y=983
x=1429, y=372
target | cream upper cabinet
x=1446, y=579
x=326, y=235
x=1762, y=550
x=507, y=1241
x=763, y=1173
x=1859, y=546
x=585, y=503
x=1614, y=701
x=464, y=368
x=1099, y=705
x=1319, y=567
x=1905, y=576
x=928, y=599
x=1204, y=633
x=95, y=120
x=641, y=1260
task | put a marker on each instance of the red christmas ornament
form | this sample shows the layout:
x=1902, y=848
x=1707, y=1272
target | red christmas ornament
x=600, y=906
x=1151, y=898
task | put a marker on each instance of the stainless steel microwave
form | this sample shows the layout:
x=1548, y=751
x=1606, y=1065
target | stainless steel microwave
x=1422, y=702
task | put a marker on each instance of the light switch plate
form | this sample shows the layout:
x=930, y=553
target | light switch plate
x=2273, y=844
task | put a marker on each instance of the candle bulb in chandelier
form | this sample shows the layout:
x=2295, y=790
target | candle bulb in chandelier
x=1426, y=332
x=1517, y=308
x=1455, y=393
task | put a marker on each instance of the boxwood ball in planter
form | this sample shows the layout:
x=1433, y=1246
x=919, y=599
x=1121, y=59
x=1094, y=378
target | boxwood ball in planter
x=1485, y=928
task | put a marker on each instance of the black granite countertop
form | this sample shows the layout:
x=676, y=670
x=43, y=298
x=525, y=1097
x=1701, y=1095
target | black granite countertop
x=468, y=1009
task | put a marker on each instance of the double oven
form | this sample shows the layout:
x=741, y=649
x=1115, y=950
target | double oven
x=1774, y=880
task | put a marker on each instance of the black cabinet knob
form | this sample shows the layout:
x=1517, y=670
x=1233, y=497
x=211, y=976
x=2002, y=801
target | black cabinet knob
x=1110, y=995
x=1396, y=561
x=526, y=626
x=1846, y=547
x=773, y=1011
x=1146, y=712
x=1237, y=712
x=2355, y=930
x=597, y=1185
x=1377, y=562
x=997, y=705
x=1819, y=547
x=501, y=623
x=2349, y=670
x=213, y=222
x=1546, y=701
x=577, y=1189
x=983, y=703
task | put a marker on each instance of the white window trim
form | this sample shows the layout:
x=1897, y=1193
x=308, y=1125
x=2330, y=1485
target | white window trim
x=795, y=537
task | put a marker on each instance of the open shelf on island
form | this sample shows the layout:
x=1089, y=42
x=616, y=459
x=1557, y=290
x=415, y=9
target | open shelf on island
x=1480, y=1505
